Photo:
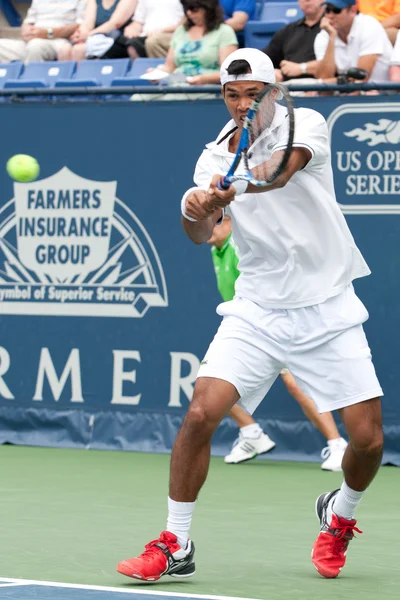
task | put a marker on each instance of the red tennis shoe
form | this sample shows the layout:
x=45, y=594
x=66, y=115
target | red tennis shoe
x=161, y=557
x=330, y=548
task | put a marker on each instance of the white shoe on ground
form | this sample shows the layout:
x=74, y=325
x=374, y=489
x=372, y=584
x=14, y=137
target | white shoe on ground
x=245, y=448
x=333, y=455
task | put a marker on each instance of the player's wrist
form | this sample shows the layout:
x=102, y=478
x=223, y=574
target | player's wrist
x=240, y=187
x=303, y=68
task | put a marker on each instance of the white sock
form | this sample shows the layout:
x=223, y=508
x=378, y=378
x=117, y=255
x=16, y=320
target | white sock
x=252, y=431
x=346, y=502
x=334, y=442
x=179, y=520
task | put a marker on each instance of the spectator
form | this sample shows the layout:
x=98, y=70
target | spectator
x=237, y=13
x=394, y=71
x=45, y=32
x=387, y=12
x=201, y=43
x=292, y=47
x=350, y=40
x=103, y=22
x=152, y=19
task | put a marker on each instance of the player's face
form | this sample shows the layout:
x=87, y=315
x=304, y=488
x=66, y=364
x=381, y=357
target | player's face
x=238, y=96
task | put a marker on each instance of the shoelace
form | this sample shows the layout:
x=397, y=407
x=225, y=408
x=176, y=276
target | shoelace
x=151, y=549
x=325, y=452
x=342, y=537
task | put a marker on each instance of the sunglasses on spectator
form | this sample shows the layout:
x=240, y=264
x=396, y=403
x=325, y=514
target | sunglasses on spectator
x=192, y=7
x=332, y=9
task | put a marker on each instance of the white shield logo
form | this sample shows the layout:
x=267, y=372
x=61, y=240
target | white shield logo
x=63, y=224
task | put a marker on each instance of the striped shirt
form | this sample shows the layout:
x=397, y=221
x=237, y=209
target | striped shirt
x=380, y=9
x=55, y=13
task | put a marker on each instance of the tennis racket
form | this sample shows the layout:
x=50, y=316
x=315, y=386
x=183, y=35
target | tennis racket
x=255, y=128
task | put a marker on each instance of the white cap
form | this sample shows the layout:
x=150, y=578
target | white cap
x=261, y=66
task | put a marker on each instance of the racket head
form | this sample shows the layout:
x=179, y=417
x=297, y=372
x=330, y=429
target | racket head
x=257, y=124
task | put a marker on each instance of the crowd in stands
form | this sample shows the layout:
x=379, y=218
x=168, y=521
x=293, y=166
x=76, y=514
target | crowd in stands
x=195, y=36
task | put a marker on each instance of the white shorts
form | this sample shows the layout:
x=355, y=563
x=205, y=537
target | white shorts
x=323, y=346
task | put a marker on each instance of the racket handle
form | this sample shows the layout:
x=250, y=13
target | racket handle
x=223, y=184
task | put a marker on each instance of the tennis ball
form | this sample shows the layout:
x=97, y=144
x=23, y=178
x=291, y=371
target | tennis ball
x=23, y=168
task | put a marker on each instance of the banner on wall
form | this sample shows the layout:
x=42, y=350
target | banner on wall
x=70, y=247
x=99, y=237
x=366, y=157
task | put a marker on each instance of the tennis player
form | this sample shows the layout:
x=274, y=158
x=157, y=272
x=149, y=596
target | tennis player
x=252, y=441
x=294, y=307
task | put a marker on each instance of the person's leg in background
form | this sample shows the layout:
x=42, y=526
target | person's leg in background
x=136, y=48
x=157, y=45
x=325, y=423
x=251, y=442
x=11, y=50
x=42, y=50
x=72, y=52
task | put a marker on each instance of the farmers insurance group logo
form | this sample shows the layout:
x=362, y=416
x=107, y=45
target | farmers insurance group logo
x=366, y=157
x=68, y=246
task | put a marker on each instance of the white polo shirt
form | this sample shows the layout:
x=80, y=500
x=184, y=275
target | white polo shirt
x=155, y=15
x=294, y=244
x=366, y=36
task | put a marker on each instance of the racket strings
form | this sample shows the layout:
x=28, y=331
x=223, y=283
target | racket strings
x=259, y=126
x=267, y=168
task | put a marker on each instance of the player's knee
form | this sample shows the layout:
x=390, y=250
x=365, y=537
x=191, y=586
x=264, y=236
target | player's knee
x=199, y=421
x=369, y=441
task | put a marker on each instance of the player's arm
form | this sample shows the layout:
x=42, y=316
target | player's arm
x=200, y=214
x=298, y=160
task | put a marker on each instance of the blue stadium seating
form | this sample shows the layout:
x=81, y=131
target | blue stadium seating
x=10, y=71
x=94, y=73
x=138, y=68
x=272, y=17
x=42, y=74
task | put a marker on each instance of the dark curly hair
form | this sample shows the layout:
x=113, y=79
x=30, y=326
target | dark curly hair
x=214, y=13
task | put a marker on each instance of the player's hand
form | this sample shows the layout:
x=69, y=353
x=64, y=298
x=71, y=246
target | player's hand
x=198, y=205
x=220, y=198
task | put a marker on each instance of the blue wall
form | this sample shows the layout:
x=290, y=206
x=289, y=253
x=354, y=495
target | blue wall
x=106, y=368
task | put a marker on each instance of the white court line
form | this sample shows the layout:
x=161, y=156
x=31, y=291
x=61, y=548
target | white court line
x=101, y=588
x=3, y=585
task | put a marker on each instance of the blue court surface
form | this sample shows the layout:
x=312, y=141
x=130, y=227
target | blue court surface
x=24, y=589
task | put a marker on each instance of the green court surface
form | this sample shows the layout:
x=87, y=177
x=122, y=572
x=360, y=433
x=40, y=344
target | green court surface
x=70, y=516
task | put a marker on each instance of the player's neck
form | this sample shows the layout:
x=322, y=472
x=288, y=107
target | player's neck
x=234, y=141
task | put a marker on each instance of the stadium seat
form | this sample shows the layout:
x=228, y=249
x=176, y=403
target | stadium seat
x=96, y=73
x=10, y=71
x=42, y=74
x=138, y=68
x=272, y=17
